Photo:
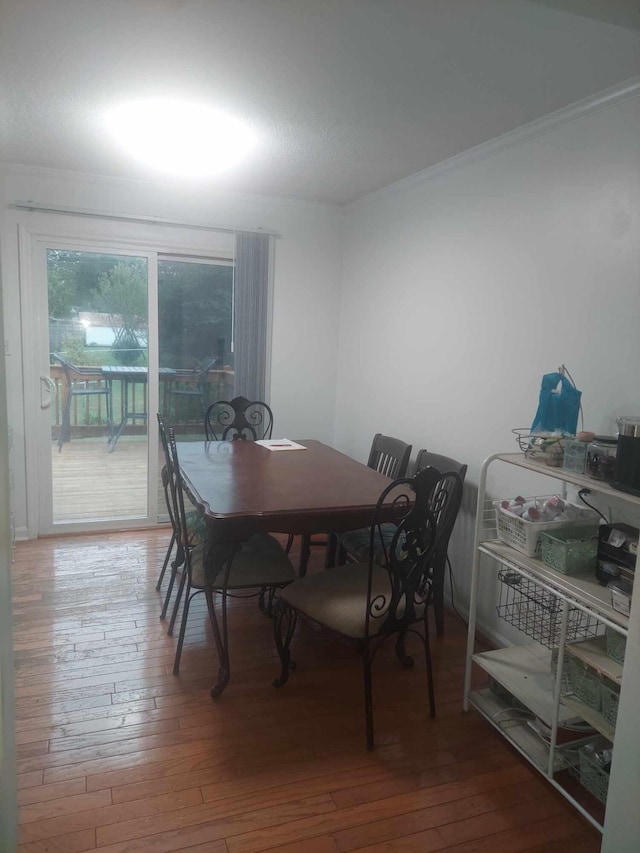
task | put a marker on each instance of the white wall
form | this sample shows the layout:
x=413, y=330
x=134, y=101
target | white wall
x=461, y=289
x=306, y=281
x=8, y=795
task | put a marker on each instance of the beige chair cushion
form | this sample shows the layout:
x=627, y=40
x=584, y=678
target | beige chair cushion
x=337, y=598
x=261, y=561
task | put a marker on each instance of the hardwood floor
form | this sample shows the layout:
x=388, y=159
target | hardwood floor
x=116, y=753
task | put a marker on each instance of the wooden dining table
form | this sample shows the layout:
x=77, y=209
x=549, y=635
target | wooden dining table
x=243, y=488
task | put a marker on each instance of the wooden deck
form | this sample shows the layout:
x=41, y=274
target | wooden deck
x=118, y=755
x=91, y=483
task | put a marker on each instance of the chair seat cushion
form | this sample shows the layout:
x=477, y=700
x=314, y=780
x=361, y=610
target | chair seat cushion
x=356, y=543
x=337, y=598
x=261, y=561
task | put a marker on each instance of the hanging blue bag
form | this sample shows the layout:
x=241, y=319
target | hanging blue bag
x=558, y=407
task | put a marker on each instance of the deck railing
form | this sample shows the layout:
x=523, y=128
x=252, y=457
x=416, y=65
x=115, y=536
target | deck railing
x=88, y=416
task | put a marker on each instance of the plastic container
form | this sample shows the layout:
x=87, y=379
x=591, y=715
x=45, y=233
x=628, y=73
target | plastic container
x=601, y=457
x=524, y=536
x=570, y=551
x=575, y=455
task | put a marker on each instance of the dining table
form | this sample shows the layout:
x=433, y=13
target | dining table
x=242, y=488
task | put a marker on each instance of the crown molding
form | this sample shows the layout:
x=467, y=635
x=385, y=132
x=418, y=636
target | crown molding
x=607, y=98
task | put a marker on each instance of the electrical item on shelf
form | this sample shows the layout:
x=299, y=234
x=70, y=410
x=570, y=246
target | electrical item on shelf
x=617, y=551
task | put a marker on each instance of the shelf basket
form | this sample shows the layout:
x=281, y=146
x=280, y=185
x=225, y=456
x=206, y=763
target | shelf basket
x=586, y=685
x=616, y=645
x=610, y=700
x=570, y=551
x=593, y=777
x=538, y=613
x=524, y=536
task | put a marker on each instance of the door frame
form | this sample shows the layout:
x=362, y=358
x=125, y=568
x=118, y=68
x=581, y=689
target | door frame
x=84, y=236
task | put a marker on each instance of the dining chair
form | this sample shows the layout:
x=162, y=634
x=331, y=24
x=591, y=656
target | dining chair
x=354, y=545
x=196, y=525
x=388, y=456
x=82, y=382
x=256, y=566
x=372, y=601
x=189, y=385
x=238, y=419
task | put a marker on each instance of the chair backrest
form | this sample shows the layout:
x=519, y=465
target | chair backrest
x=444, y=463
x=70, y=369
x=168, y=484
x=177, y=493
x=239, y=419
x=389, y=455
x=421, y=507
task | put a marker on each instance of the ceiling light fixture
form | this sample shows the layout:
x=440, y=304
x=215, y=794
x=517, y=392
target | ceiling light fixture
x=178, y=138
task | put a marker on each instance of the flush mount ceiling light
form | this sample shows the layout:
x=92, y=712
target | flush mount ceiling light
x=179, y=138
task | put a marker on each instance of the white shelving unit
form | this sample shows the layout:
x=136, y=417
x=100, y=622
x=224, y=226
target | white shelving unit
x=525, y=689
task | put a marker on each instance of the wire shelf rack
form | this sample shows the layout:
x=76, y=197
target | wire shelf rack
x=538, y=613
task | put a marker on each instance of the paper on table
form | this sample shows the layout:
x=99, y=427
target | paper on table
x=280, y=444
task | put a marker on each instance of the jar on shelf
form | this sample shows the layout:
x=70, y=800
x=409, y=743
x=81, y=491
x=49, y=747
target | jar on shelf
x=601, y=457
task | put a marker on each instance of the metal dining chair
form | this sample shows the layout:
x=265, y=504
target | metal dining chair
x=354, y=544
x=256, y=566
x=388, y=456
x=238, y=419
x=82, y=382
x=373, y=600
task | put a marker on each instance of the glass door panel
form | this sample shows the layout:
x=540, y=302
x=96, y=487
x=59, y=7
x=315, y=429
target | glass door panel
x=98, y=342
x=195, y=311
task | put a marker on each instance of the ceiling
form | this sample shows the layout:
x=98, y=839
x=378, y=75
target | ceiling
x=347, y=96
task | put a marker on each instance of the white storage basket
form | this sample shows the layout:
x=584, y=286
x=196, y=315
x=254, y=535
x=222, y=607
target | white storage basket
x=524, y=536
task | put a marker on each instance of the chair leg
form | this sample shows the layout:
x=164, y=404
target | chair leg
x=65, y=428
x=289, y=544
x=305, y=553
x=167, y=596
x=406, y=660
x=332, y=549
x=222, y=643
x=368, y=694
x=166, y=562
x=176, y=604
x=438, y=600
x=427, y=653
x=183, y=628
x=284, y=626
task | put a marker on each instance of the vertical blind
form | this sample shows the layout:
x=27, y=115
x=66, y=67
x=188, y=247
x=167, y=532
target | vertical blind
x=251, y=290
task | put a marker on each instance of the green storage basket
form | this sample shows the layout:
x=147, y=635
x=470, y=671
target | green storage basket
x=616, y=645
x=586, y=685
x=570, y=551
x=610, y=699
x=593, y=777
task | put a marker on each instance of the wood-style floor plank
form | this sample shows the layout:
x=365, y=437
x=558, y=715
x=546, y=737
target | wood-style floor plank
x=117, y=755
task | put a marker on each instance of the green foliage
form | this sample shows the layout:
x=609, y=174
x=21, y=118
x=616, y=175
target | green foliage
x=74, y=350
x=194, y=306
x=123, y=296
x=195, y=312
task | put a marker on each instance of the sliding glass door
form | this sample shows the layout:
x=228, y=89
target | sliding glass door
x=195, y=339
x=127, y=334
x=99, y=368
